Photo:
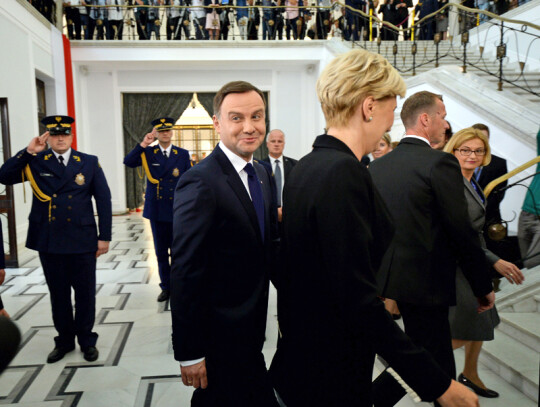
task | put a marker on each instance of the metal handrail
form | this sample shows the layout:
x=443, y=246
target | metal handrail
x=489, y=187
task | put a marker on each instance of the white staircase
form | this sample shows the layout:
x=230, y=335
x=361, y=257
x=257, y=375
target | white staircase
x=448, y=51
x=515, y=353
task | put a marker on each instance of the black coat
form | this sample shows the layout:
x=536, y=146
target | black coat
x=423, y=189
x=336, y=230
x=495, y=169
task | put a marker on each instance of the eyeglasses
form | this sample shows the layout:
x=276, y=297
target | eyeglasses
x=467, y=151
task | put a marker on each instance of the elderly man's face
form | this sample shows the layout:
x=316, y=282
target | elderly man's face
x=275, y=143
x=60, y=143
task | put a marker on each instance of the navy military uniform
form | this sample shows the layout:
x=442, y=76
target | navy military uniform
x=162, y=175
x=62, y=228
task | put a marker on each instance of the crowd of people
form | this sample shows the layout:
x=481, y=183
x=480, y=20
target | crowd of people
x=335, y=237
x=261, y=19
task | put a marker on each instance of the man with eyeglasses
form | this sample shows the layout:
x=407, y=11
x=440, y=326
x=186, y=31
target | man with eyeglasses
x=423, y=189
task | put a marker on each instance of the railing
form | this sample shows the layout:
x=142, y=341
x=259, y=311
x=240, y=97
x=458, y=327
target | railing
x=318, y=22
x=489, y=187
x=404, y=54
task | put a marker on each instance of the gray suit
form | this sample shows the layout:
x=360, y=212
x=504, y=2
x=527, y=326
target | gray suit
x=465, y=322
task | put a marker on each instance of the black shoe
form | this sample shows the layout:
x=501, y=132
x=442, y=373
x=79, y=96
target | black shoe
x=490, y=394
x=164, y=296
x=90, y=354
x=58, y=354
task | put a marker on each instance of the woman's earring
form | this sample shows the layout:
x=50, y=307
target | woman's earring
x=370, y=118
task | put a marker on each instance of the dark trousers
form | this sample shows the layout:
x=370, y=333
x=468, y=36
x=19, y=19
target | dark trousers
x=428, y=327
x=162, y=233
x=62, y=273
x=115, y=29
x=141, y=20
x=236, y=381
x=323, y=24
x=73, y=19
x=292, y=26
x=92, y=24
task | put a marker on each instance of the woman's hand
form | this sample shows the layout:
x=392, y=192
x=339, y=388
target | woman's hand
x=510, y=271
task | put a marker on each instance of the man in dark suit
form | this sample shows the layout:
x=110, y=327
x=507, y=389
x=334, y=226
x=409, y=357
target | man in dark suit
x=163, y=164
x=63, y=230
x=423, y=189
x=484, y=175
x=281, y=165
x=224, y=227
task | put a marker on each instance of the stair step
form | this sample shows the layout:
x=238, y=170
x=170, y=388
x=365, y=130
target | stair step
x=514, y=362
x=522, y=326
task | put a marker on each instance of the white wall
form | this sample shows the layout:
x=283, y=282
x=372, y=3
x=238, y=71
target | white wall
x=28, y=51
x=101, y=76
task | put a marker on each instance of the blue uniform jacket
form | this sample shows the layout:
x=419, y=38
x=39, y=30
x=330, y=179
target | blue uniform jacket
x=71, y=227
x=158, y=206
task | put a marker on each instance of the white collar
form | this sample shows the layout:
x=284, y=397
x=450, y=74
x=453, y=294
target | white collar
x=273, y=160
x=65, y=155
x=238, y=162
x=425, y=140
x=168, y=149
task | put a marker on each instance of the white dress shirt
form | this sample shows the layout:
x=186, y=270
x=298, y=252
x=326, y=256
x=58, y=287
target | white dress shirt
x=425, y=140
x=168, y=150
x=65, y=155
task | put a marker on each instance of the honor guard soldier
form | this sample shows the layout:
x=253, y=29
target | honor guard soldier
x=62, y=228
x=163, y=164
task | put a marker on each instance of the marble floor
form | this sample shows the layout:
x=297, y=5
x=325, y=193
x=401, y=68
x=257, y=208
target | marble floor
x=136, y=367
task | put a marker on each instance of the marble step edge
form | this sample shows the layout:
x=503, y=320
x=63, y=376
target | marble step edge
x=509, y=298
x=523, y=331
x=504, y=364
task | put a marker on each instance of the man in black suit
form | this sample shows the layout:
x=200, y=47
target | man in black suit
x=423, y=189
x=224, y=225
x=484, y=175
x=281, y=165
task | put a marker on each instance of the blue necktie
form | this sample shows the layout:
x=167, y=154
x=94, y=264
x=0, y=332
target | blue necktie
x=255, y=191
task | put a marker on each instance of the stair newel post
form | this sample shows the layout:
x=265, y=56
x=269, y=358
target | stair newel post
x=501, y=54
x=464, y=42
x=394, y=51
x=413, y=52
x=437, y=40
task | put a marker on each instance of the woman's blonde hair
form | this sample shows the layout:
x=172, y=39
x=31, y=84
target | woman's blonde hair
x=462, y=136
x=387, y=139
x=351, y=77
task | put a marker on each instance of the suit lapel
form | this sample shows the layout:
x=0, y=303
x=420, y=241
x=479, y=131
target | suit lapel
x=72, y=169
x=236, y=184
x=50, y=162
x=470, y=189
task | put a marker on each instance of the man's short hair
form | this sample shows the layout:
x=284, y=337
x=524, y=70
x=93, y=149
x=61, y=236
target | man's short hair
x=234, y=87
x=271, y=131
x=481, y=126
x=415, y=105
x=350, y=78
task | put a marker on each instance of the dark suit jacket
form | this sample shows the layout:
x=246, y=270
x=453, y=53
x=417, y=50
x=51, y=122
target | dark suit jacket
x=288, y=164
x=220, y=264
x=423, y=189
x=158, y=206
x=331, y=319
x=495, y=169
x=72, y=226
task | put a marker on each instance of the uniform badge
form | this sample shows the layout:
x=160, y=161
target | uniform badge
x=76, y=158
x=79, y=179
x=176, y=172
x=46, y=157
x=156, y=150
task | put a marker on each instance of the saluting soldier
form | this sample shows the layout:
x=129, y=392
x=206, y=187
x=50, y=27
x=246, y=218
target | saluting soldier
x=62, y=228
x=163, y=165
